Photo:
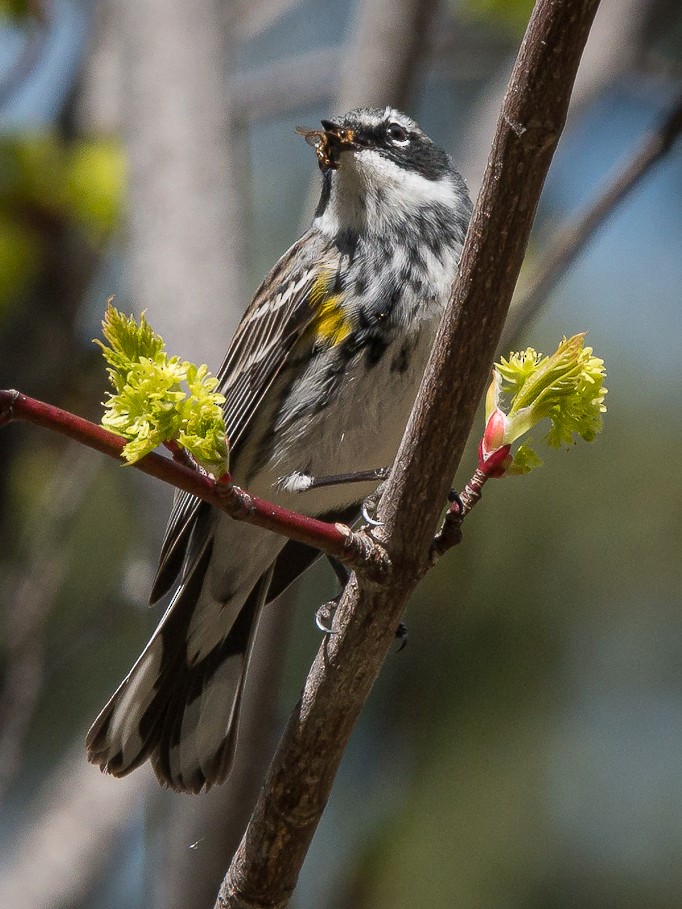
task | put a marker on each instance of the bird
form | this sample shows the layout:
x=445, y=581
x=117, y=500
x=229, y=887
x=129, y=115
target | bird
x=319, y=380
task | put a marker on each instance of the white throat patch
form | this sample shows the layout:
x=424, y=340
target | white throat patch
x=369, y=192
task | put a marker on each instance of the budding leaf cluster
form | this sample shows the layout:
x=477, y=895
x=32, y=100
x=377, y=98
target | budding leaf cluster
x=565, y=388
x=157, y=398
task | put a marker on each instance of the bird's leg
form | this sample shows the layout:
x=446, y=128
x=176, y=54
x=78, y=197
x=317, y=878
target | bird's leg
x=325, y=614
x=301, y=482
x=369, y=506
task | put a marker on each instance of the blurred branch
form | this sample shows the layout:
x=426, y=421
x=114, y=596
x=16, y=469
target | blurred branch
x=279, y=87
x=388, y=43
x=30, y=53
x=571, y=239
x=311, y=78
x=252, y=17
x=66, y=844
x=614, y=47
x=286, y=85
x=29, y=603
x=614, y=42
x=187, y=211
x=266, y=867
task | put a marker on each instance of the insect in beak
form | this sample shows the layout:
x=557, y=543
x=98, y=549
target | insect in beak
x=328, y=142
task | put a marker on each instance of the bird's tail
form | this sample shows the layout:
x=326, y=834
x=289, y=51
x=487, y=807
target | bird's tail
x=181, y=714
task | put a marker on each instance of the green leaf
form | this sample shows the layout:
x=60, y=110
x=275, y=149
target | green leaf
x=129, y=341
x=157, y=398
x=566, y=388
x=524, y=460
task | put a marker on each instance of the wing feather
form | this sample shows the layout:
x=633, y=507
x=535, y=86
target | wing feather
x=277, y=317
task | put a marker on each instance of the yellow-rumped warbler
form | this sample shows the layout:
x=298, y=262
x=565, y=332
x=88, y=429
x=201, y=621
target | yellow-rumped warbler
x=319, y=380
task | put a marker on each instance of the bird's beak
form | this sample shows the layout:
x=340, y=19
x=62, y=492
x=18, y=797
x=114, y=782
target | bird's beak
x=336, y=139
x=329, y=142
x=339, y=137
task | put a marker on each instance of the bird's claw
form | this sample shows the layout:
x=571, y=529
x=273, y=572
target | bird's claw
x=367, y=518
x=370, y=504
x=324, y=616
x=401, y=636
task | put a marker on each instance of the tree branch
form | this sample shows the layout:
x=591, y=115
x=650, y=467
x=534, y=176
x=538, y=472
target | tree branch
x=38, y=18
x=265, y=869
x=355, y=549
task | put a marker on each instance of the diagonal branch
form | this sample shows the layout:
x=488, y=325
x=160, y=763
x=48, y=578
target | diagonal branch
x=576, y=234
x=356, y=549
x=266, y=867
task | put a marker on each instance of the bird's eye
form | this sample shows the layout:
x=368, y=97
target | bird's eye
x=397, y=133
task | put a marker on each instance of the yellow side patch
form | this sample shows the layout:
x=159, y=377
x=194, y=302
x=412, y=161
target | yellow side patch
x=331, y=324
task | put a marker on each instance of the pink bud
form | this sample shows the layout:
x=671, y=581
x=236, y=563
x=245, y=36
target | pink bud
x=493, y=437
x=495, y=464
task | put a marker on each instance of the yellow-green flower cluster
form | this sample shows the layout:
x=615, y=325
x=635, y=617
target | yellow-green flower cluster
x=567, y=388
x=158, y=398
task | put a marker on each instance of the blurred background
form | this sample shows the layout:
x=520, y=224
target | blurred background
x=525, y=749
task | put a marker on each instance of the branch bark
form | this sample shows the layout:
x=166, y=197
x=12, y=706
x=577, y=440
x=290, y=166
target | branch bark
x=266, y=867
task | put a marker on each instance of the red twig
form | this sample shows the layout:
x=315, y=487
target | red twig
x=450, y=533
x=357, y=549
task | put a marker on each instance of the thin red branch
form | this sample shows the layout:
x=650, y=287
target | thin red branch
x=354, y=548
x=450, y=533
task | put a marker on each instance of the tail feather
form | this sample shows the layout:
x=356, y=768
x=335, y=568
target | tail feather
x=179, y=705
x=181, y=714
x=199, y=728
x=120, y=752
x=127, y=729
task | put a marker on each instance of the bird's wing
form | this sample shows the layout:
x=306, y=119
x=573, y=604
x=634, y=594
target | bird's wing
x=283, y=307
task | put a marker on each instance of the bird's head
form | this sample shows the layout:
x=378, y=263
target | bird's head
x=378, y=165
